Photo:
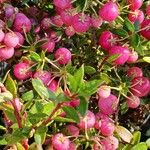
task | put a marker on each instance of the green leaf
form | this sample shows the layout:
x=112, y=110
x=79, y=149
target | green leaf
x=128, y=25
x=135, y=40
x=136, y=137
x=2, y=128
x=89, y=70
x=137, y=25
x=34, y=56
x=11, y=86
x=3, y=141
x=71, y=113
x=148, y=142
x=39, y=106
x=112, y=58
x=28, y=96
x=83, y=107
x=140, y=146
x=62, y=98
x=48, y=108
x=61, y=119
x=37, y=138
x=120, y=32
x=146, y=59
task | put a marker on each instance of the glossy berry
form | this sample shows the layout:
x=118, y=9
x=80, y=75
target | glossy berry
x=22, y=71
x=81, y=23
x=134, y=4
x=140, y=86
x=21, y=39
x=134, y=72
x=88, y=121
x=148, y=10
x=60, y=142
x=72, y=130
x=136, y=15
x=62, y=3
x=70, y=31
x=133, y=57
x=53, y=86
x=2, y=35
x=6, y=53
x=11, y=39
x=63, y=55
x=109, y=11
x=104, y=91
x=108, y=105
x=48, y=46
x=133, y=101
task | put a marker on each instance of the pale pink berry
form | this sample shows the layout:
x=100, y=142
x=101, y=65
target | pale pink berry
x=11, y=39
x=53, y=86
x=136, y=15
x=135, y=4
x=46, y=23
x=133, y=101
x=21, y=39
x=63, y=55
x=134, y=72
x=109, y=11
x=48, y=46
x=122, y=52
x=60, y=142
x=88, y=121
x=81, y=22
x=133, y=57
x=146, y=29
x=108, y=105
x=22, y=23
x=106, y=40
x=148, y=10
x=62, y=3
x=22, y=71
x=2, y=35
x=6, y=53
x=96, y=21
x=140, y=86
x=72, y=130
x=70, y=31
x=104, y=91
x=57, y=21
x=43, y=75
x=9, y=11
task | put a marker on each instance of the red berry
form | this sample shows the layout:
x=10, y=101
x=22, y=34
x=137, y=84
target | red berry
x=6, y=53
x=108, y=105
x=134, y=72
x=60, y=142
x=133, y=101
x=140, y=86
x=104, y=91
x=88, y=121
x=53, y=86
x=146, y=25
x=135, y=4
x=2, y=35
x=48, y=46
x=72, y=130
x=81, y=23
x=11, y=39
x=109, y=11
x=123, y=53
x=22, y=71
x=148, y=10
x=46, y=23
x=21, y=39
x=133, y=57
x=57, y=21
x=70, y=31
x=62, y=3
x=63, y=55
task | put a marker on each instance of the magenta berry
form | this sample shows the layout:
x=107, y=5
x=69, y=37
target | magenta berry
x=88, y=121
x=133, y=101
x=22, y=23
x=108, y=105
x=21, y=39
x=72, y=130
x=11, y=39
x=109, y=12
x=148, y=10
x=75, y=102
x=96, y=21
x=134, y=72
x=60, y=142
x=106, y=40
x=104, y=91
x=45, y=76
x=140, y=86
x=22, y=71
x=53, y=85
x=57, y=21
x=2, y=35
x=81, y=23
x=62, y=3
x=6, y=53
x=135, y=4
x=9, y=11
x=48, y=46
x=63, y=55
x=136, y=15
x=133, y=57
x=46, y=23
x=123, y=54
x=70, y=31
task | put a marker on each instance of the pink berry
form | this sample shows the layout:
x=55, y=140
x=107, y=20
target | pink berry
x=140, y=86
x=48, y=46
x=70, y=31
x=53, y=86
x=11, y=39
x=108, y=105
x=21, y=39
x=22, y=71
x=96, y=21
x=133, y=101
x=9, y=11
x=62, y=3
x=60, y=142
x=57, y=21
x=22, y=23
x=72, y=146
x=45, y=76
x=46, y=23
x=136, y=15
x=135, y=4
x=123, y=53
x=88, y=121
x=146, y=25
x=148, y=10
x=134, y=72
x=109, y=11
x=133, y=57
x=106, y=40
x=2, y=35
x=6, y=53
x=63, y=55
x=104, y=91
x=72, y=130
x=75, y=102
x=81, y=23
